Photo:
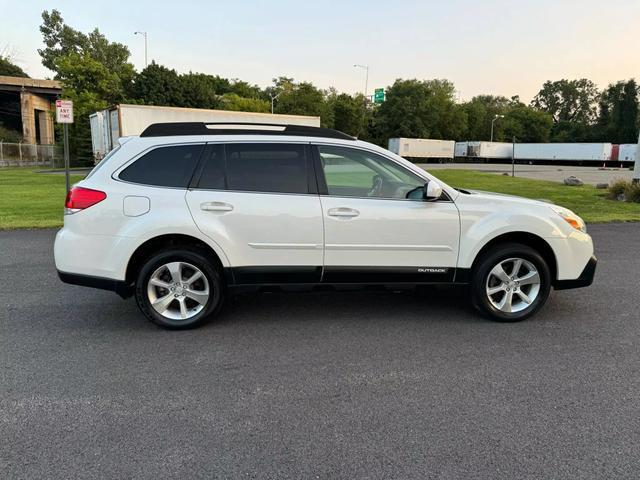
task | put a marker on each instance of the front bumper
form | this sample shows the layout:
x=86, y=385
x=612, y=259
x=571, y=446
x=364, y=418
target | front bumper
x=584, y=280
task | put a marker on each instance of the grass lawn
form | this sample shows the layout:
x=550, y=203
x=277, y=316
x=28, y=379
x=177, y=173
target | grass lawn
x=31, y=200
x=35, y=200
x=587, y=201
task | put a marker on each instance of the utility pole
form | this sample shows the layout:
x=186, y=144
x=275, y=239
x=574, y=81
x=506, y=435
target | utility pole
x=492, y=121
x=144, y=34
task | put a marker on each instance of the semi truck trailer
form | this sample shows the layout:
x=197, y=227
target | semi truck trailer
x=422, y=148
x=123, y=120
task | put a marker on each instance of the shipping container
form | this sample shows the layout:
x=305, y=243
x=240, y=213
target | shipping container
x=587, y=152
x=487, y=150
x=627, y=152
x=123, y=120
x=422, y=148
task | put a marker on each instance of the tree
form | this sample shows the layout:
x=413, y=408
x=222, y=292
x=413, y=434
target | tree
x=347, y=112
x=232, y=101
x=568, y=100
x=199, y=90
x=526, y=123
x=158, y=85
x=618, y=117
x=480, y=111
x=302, y=99
x=94, y=73
x=61, y=40
x=244, y=89
x=7, y=67
x=572, y=105
x=420, y=109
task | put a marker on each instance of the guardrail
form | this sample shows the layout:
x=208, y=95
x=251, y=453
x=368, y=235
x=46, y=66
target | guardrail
x=30, y=155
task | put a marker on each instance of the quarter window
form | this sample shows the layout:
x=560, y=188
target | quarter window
x=277, y=168
x=356, y=173
x=164, y=166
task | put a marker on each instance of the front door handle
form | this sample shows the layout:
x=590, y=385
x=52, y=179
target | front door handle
x=343, y=212
x=216, y=207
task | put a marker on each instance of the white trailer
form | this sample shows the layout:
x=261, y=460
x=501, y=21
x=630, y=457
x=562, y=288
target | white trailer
x=501, y=150
x=126, y=120
x=460, y=149
x=600, y=152
x=422, y=148
x=627, y=152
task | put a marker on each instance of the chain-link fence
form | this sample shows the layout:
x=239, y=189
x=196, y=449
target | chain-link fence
x=29, y=155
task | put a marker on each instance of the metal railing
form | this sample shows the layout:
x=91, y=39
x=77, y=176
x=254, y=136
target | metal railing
x=30, y=155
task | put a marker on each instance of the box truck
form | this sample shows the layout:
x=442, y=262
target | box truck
x=422, y=148
x=123, y=120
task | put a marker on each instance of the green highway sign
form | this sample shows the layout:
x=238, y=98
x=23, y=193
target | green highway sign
x=378, y=95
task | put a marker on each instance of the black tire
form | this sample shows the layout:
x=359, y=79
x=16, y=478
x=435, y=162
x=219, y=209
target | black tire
x=493, y=257
x=195, y=257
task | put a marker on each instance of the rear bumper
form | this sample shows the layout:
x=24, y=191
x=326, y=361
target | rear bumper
x=118, y=286
x=584, y=280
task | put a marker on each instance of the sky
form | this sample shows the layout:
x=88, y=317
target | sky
x=494, y=47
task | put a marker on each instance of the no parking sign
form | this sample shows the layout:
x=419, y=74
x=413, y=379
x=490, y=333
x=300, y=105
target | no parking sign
x=64, y=111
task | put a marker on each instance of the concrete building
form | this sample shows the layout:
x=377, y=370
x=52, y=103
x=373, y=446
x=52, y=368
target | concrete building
x=28, y=104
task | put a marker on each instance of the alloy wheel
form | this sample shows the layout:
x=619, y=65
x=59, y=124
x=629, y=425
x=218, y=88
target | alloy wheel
x=178, y=290
x=513, y=285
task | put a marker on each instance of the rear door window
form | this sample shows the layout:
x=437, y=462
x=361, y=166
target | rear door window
x=170, y=166
x=267, y=167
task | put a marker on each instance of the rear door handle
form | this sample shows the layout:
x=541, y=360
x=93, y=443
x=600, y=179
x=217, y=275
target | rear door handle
x=216, y=207
x=343, y=212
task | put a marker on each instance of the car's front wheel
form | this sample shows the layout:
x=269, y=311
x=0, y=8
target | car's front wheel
x=179, y=288
x=511, y=282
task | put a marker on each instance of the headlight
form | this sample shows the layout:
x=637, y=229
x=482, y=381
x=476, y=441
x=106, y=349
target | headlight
x=571, y=218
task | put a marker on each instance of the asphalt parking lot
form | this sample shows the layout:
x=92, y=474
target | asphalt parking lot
x=553, y=173
x=319, y=385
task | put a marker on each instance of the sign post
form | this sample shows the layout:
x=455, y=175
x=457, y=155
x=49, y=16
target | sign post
x=378, y=95
x=64, y=115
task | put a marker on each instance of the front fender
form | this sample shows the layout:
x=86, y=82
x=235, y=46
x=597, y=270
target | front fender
x=479, y=228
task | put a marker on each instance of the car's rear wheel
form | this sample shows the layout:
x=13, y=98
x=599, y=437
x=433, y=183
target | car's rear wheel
x=511, y=282
x=179, y=288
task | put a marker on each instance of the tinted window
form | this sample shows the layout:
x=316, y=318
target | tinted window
x=212, y=174
x=263, y=167
x=357, y=173
x=164, y=166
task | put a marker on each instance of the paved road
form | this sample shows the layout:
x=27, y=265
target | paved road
x=554, y=173
x=317, y=385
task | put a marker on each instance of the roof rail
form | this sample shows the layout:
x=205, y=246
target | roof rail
x=239, y=128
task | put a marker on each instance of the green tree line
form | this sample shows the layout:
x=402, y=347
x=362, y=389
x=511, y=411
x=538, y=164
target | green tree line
x=96, y=73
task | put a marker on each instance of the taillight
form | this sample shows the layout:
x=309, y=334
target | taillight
x=80, y=198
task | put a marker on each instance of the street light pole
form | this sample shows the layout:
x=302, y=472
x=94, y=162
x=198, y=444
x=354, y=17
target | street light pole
x=636, y=168
x=144, y=34
x=273, y=98
x=366, y=78
x=492, y=121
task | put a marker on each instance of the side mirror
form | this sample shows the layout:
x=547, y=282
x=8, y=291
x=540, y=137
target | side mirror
x=432, y=190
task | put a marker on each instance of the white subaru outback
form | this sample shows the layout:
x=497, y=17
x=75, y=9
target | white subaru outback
x=188, y=213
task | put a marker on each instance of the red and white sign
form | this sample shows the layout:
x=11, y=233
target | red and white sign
x=64, y=111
